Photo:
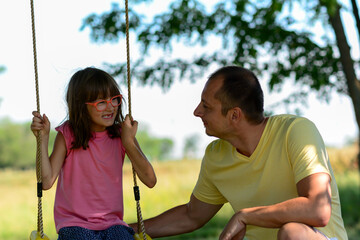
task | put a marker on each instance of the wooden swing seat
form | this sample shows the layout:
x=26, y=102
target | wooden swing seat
x=35, y=235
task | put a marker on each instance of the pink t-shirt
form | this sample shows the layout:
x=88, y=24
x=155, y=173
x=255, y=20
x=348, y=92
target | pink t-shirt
x=89, y=192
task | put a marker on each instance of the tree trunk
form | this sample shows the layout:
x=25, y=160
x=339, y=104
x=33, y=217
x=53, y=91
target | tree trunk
x=357, y=20
x=356, y=15
x=347, y=62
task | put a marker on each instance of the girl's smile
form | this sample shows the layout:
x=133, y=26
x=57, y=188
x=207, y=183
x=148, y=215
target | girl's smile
x=108, y=116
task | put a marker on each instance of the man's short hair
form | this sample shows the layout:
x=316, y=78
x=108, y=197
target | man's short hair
x=242, y=89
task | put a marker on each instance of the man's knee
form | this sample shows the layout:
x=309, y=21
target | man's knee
x=293, y=231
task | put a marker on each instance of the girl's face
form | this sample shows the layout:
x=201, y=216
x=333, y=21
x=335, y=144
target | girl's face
x=100, y=120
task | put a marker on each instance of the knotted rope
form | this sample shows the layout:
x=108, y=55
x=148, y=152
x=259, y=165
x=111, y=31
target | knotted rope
x=136, y=188
x=40, y=228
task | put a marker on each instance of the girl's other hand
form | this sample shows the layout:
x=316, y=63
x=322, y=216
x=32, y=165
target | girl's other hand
x=128, y=130
x=40, y=123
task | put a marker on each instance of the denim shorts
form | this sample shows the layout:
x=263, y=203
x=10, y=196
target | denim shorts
x=112, y=233
x=317, y=230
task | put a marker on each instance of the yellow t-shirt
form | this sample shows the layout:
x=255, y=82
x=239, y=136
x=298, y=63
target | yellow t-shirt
x=289, y=150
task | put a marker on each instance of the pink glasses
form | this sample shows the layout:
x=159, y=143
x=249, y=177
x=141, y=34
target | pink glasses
x=103, y=104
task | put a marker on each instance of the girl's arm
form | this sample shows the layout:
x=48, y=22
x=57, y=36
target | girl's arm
x=50, y=166
x=138, y=159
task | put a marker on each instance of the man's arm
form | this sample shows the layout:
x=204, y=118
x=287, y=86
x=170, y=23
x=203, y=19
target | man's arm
x=181, y=219
x=312, y=207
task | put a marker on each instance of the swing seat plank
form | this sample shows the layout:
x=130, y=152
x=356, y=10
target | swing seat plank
x=35, y=235
x=140, y=236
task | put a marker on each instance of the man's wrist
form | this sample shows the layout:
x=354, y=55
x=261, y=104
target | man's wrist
x=241, y=216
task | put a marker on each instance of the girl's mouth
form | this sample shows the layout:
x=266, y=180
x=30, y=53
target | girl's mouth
x=108, y=116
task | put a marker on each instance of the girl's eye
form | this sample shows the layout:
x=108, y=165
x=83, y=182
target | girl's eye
x=101, y=104
x=116, y=101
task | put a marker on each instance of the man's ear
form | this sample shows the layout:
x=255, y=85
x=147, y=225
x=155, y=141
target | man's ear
x=235, y=114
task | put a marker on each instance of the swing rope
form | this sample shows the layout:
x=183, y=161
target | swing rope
x=140, y=221
x=40, y=229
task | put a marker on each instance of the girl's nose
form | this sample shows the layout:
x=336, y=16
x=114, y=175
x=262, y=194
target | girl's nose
x=109, y=106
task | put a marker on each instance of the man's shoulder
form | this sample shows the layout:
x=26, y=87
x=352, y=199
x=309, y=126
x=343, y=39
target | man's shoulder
x=218, y=143
x=285, y=117
x=286, y=120
x=218, y=146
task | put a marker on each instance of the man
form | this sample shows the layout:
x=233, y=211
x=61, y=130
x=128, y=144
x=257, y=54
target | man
x=274, y=171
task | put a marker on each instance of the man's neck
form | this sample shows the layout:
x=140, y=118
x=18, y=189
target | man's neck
x=247, y=137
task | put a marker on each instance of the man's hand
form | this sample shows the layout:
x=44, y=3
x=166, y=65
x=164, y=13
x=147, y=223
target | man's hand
x=235, y=229
x=181, y=219
x=311, y=208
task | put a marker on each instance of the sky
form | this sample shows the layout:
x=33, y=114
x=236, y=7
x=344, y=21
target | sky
x=63, y=49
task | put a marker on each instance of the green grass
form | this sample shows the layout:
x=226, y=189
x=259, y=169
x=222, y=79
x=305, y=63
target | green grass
x=18, y=201
x=349, y=191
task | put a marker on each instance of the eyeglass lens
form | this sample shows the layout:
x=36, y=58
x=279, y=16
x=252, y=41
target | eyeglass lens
x=102, y=105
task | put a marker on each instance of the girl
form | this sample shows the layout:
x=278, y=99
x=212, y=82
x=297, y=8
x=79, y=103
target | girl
x=88, y=157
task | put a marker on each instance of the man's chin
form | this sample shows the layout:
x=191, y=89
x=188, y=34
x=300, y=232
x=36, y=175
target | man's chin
x=209, y=133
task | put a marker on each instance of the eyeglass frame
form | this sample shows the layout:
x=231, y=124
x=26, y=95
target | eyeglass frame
x=107, y=103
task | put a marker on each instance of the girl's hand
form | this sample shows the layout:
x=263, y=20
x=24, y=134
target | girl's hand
x=138, y=159
x=40, y=123
x=128, y=130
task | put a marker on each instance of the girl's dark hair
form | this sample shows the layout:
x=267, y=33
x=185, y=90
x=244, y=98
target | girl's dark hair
x=87, y=85
x=242, y=89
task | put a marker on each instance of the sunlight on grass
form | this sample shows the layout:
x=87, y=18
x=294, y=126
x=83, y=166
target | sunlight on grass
x=176, y=179
x=18, y=204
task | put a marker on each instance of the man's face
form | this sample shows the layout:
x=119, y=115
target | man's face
x=209, y=110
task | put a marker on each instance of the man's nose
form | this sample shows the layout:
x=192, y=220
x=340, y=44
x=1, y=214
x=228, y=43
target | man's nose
x=197, y=112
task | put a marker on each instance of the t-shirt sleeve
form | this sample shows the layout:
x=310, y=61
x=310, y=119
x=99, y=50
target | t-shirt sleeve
x=306, y=149
x=65, y=130
x=204, y=189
